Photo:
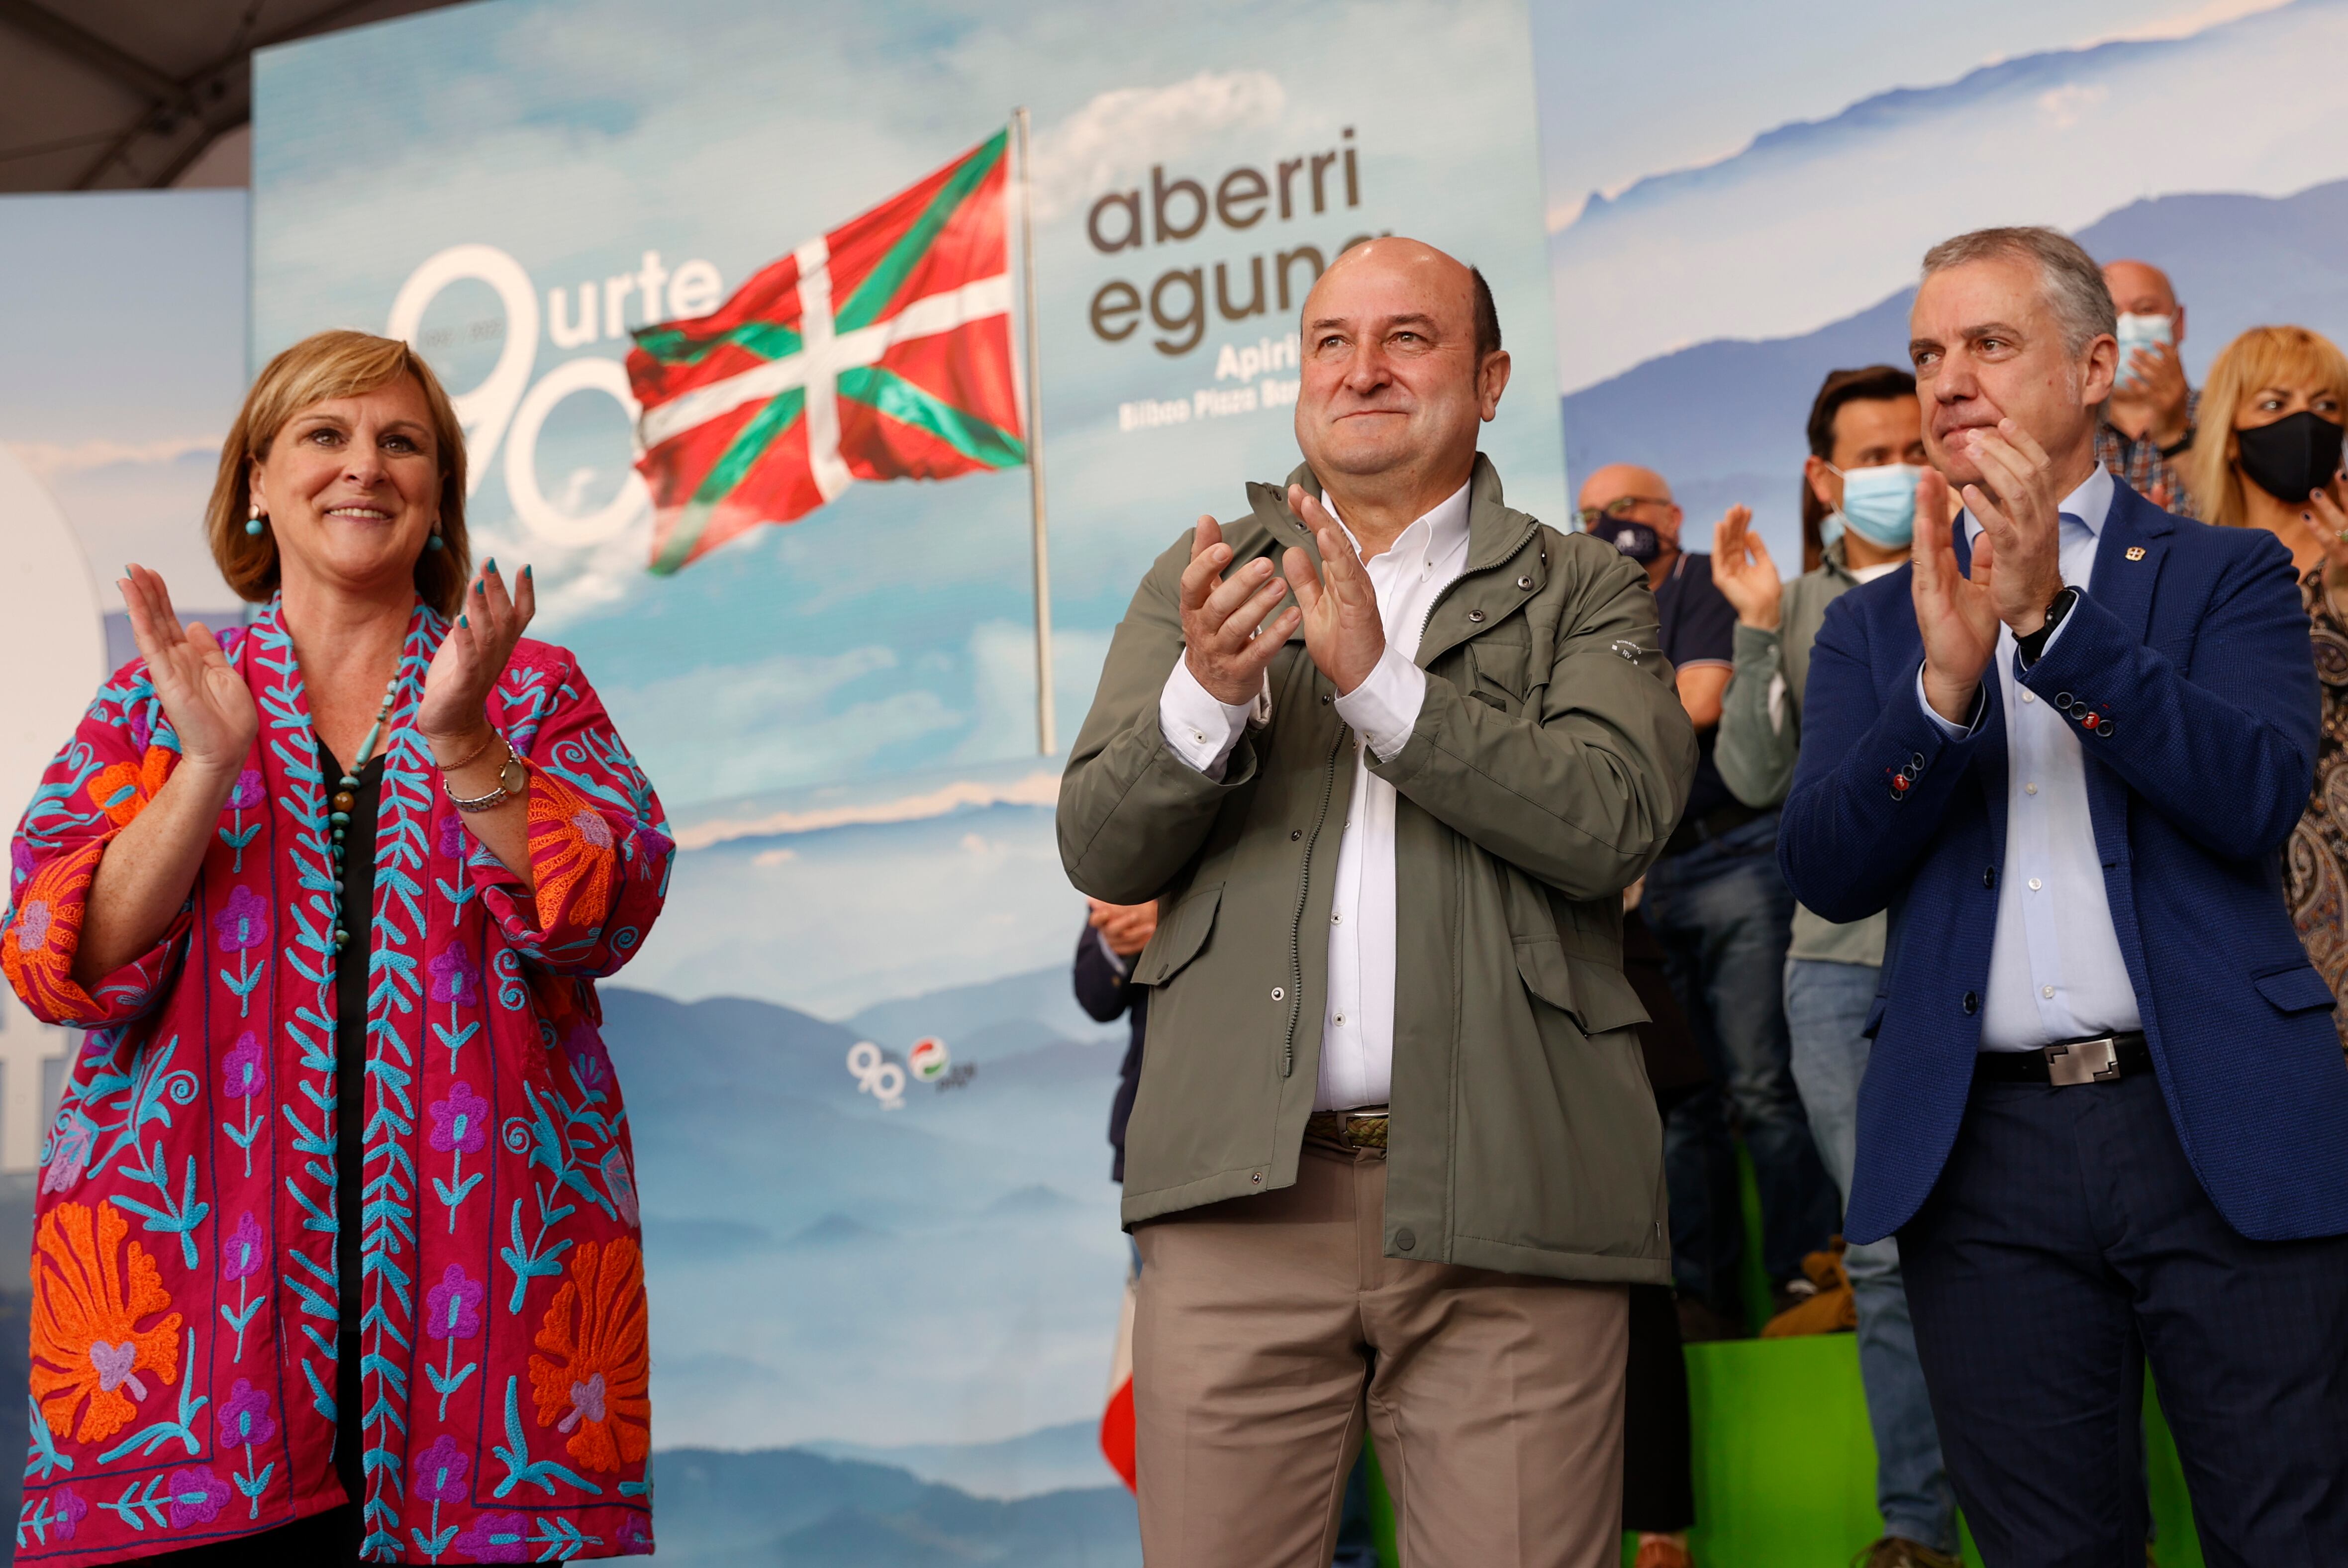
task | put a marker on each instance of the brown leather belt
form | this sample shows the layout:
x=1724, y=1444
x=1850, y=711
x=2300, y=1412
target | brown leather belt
x=2103, y=1059
x=1348, y=1128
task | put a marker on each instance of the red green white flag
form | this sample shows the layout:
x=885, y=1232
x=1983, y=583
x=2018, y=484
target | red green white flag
x=880, y=350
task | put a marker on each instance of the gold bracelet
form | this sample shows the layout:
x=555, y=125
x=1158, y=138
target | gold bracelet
x=473, y=756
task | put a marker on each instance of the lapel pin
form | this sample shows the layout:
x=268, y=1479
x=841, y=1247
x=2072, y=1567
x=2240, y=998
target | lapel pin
x=2135, y=552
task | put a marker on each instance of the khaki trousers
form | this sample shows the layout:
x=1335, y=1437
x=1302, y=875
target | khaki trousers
x=1269, y=1329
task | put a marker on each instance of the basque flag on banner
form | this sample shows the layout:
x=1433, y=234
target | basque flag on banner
x=878, y=351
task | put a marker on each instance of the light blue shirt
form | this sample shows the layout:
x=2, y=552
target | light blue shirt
x=2055, y=966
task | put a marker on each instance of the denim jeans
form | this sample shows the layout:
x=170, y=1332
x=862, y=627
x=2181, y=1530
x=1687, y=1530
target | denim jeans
x=1723, y=916
x=1825, y=1007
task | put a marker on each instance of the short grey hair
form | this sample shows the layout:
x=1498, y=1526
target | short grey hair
x=2074, y=288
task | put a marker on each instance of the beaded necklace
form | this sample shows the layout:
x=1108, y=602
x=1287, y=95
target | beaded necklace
x=347, y=798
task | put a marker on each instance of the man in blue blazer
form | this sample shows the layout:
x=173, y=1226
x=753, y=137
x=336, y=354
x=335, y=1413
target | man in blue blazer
x=2105, y=1113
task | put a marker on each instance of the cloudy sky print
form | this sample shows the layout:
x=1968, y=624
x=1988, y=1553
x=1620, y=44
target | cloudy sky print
x=1770, y=190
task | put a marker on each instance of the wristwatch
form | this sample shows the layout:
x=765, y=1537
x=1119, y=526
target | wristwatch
x=2031, y=646
x=513, y=782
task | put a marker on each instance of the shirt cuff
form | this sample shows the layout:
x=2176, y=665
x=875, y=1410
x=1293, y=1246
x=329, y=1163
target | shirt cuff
x=1200, y=727
x=1384, y=709
x=1954, y=731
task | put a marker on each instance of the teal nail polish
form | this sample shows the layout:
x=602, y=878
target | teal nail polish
x=461, y=622
x=525, y=570
x=490, y=565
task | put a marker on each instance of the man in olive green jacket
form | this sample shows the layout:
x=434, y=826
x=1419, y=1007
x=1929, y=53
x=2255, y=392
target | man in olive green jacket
x=1394, y=1151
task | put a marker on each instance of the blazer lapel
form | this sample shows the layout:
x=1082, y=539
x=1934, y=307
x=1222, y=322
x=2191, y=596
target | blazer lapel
x=2128, y=556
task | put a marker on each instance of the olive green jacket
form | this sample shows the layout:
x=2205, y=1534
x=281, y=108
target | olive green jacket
x=1549, y=764
x=1760, y=735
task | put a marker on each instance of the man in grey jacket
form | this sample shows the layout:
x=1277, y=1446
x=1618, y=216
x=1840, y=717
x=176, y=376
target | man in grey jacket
x=1387, y=752
x=1859, y=495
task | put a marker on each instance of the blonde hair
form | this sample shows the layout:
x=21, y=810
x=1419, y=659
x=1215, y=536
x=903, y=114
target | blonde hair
x=327, y=364
x=2263, y=356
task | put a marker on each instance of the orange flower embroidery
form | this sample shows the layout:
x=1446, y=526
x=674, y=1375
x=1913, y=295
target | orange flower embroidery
x=37, y=952
x=123, y=791
x=573, y=858
x=593, y=1382
x=86, y=1342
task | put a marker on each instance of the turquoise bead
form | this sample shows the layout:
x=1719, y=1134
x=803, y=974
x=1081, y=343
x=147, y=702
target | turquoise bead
x=340, y=817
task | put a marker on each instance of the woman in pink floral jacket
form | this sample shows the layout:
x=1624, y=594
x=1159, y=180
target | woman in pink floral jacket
x=337, y=1255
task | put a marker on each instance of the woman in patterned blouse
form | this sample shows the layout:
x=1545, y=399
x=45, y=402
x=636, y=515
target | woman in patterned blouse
x=2267, y=455
x=337, y=1255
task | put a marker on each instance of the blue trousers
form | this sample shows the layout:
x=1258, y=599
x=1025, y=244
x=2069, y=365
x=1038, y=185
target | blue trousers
x=1825, y=1007
x=2067, y=1241
x=1723, y=916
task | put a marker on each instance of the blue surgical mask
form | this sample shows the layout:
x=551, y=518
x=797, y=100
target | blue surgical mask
x=1879, y=504
x=2136, y=332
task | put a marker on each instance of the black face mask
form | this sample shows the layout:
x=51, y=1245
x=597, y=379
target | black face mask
x=1635, y=540
x=2292, y=457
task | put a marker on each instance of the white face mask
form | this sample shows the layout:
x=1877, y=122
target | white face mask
x=2136, y=332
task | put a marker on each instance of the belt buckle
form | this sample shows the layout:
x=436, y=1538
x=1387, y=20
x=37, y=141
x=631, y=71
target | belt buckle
x=2082, y=1061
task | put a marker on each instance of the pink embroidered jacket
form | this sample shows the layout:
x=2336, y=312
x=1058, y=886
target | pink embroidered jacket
x=184, y=1293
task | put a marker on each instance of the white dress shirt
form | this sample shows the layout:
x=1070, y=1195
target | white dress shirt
x=2055, y=966
x=1357, y=1020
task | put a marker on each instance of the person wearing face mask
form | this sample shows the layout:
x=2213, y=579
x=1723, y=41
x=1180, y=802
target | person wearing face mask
x=1721, y=909
x=1858, y=518
x=2269, y=457
x=2148, y=423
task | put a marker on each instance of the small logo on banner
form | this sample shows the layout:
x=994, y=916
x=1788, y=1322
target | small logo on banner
x=929, y=1059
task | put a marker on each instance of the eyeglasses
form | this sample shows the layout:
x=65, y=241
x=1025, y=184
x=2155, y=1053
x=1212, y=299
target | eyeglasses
x=1618, y=509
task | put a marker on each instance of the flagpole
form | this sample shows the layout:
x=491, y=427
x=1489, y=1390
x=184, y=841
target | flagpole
x=1047, y=741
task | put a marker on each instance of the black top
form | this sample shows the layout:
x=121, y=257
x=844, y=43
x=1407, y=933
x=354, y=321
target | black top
x=1699, y=627
x=357, y=908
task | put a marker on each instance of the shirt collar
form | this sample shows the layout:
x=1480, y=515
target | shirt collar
x=2091, y=503
x=1440, y=532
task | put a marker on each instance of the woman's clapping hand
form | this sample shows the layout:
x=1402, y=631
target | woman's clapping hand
x=473, y=655
x=211, y=708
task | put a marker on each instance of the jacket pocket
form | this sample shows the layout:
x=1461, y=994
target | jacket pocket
x=1179, y=936
x=1874, y=1017
x=2299, y=989
x=1595, y=997
x=1499, y=664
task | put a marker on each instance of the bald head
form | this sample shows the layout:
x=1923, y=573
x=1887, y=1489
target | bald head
x=2139, y=288
x=1621, y=494
x=1396, y=379
x=1616, y=480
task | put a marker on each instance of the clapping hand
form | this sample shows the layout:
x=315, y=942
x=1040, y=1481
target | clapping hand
x=1125, y=927
x=1743, y=571
x=472, y=658
x=210, y=706
x=2330, y=521
x=1954, y=612
x=1224, y=639
x=1343, y=630
x=2022, y=520
x=2155, y=379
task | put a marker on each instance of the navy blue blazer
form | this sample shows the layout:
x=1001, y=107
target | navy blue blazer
x=2186, y=668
